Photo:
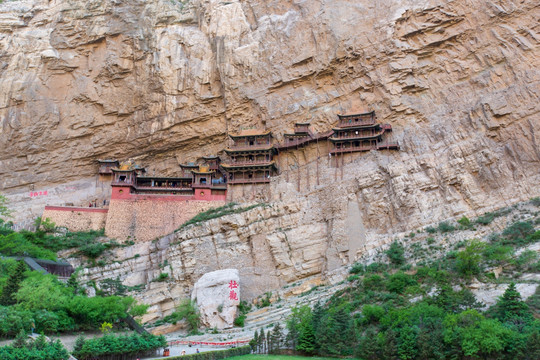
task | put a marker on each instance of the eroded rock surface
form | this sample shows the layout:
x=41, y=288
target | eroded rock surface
x=163, y=81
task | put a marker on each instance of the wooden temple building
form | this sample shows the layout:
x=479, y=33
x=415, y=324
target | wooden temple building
x=360, y=132
x=250, y=158
x=205, y=181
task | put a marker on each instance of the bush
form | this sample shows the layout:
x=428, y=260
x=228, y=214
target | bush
x=517, y=233
x=431, y=230
x=398, y=282
x=39, y=349
x=376, y=267
x=468, y=261
x=239, y=321
x=357, y=269
x=187, y=310
x=465, y=222
x=535, y=201
x=485, y=219
x=373, y=282
x=131, y=346
x=372, y=313
x=445, y=227
x=230, y=208
x=395, y=253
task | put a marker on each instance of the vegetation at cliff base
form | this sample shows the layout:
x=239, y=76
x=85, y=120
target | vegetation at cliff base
x=38, y=349
x=118, y=347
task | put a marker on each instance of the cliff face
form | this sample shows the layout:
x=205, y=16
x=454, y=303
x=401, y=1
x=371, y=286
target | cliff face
x=162, y=81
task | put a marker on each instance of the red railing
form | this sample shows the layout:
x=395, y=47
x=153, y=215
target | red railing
x=243, y=163
x=354, y=148
x=244, y=147
x=207, y=343
x=360, y=135
x=249, y=181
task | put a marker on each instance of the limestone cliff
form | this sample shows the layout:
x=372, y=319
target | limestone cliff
x=163, y=81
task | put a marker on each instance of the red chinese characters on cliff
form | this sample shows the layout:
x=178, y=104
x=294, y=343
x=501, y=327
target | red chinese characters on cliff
x=38, y=193
x=232, y=294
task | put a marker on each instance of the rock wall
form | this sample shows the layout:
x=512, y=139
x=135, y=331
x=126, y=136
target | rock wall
x=149, y=219
x=76, y=219
x=163, y=82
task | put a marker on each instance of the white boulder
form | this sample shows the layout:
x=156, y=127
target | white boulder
x=217, y=295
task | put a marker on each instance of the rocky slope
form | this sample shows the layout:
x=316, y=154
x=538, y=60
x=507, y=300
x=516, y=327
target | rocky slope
x=281, y=248
x=162, y=81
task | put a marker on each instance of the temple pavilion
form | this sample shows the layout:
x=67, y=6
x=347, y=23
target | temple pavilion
x=250, y=157
x=360, y=132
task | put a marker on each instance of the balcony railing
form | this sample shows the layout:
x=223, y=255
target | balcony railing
x=250, y=181
x=356, y=122
x=163, y=188
x=247, y=163
x=360, y=135
x=246, y=147
x=353, y=149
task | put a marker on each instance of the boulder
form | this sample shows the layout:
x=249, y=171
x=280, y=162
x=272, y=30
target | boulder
x=217, y=295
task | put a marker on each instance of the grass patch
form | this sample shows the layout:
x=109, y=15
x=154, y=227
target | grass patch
x=228, y=209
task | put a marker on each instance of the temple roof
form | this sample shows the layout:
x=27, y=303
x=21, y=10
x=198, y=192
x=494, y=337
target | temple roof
x=211, y=157
x=356, y=113
x=251, y=132
x=111, y=161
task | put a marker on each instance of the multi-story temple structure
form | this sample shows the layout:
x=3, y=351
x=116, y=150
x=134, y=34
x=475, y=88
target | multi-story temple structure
x=198, y=182
x=250, y=158
x=360, y=132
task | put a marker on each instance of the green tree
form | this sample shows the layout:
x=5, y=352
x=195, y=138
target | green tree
x=13, y=284
x=396, y=253
x=469, y=260
x=277, y=337
x=306, y=339
x=510, y=305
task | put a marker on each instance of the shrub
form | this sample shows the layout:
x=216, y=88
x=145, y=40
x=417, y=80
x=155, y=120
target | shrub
x=517, y=233
x=485, y=219
x=376, y=267
x=465, y=222
x=535, y=201
x=34, y=350
x=468, y=261
x=373, y=282
x=395, y=253
x=431, y=230
x=162, y=277
x=372, y=313
x=398, y=282
x=187, y=310
x=445, y=227
x=430, y=240
x=357, y=269
x=230, y=208
x=129, y=346
x=239, y=321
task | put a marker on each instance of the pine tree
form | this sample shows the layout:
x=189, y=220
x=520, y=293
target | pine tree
x=510, y=305
x=306, y=340
x=277, y=337
x=369, y=346
x=262, y=339
x=268, y=342
x=255, y=342
x=12, y=285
